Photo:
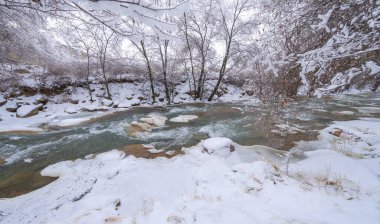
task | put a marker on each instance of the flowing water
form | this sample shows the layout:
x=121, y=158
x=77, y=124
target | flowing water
x=243, y=122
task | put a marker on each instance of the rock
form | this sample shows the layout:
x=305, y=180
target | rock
x=12, y=107
x=222, y=147
x=135, y=102
x=28, y=110
x=155, y=120
x=70, y=111
x=137, y=128
x=107, y=102
x=183, y=118
x=176, y=101
x=74, y=101
x=142, y=126
x=124, y=105
x=42, y=100
x=336, y=132
x=141, y=98
x=103, y=108
x=93, y=108
x=249, y=92
x=129, y=97
x=28, y=160
x=183, y=97
x=2, y=101
x=161, y=99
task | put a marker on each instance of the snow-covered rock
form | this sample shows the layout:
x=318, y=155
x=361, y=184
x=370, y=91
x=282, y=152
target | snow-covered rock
x=70, y=110
x=183, y=118
x=135, y=102
x=143, y=126
x=129, y=103
x=222, y=147
x=28, y=160
x=286, y=129
x=12, y=107
x=2, y=101
x=28, y=110
x=107, y=102
x=154, y=119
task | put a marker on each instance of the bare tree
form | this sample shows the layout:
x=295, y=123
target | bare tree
x=232, y=24
x=199, y=28
x=103, y=38
x=142, y=49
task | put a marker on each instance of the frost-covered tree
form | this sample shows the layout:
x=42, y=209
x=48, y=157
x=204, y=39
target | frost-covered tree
x=235, y=22
x=199, y=31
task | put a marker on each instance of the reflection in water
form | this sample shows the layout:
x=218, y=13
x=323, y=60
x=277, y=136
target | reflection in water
x=243, y=122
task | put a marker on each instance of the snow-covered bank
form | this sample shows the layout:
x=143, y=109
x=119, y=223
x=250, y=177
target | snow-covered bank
x=29, y=113
x=217, y=181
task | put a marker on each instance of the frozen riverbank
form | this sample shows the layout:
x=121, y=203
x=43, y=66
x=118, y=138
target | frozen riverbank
x=217, y=181
x=75, y=108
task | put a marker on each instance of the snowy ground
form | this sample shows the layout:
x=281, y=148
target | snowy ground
x=332, y=180
x=67, y=109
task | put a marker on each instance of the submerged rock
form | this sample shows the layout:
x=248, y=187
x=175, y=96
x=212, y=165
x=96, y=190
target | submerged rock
x=183, y=118
x=156, y=120
x=146, y=125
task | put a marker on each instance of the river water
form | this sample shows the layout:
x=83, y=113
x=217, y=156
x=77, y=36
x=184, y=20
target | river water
x=246, y=123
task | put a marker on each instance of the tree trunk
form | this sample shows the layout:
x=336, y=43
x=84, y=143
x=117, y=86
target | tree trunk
x=150, y=74
x=164, y=60
x=88, y=76
x=196, y=95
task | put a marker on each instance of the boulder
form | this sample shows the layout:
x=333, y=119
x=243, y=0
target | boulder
x=222, y=147
x=183, y=96
x=12, y=107
x=107, y=102
x=183, y=118
x=74, y=101
x=135, y=102
x=141, y=98
x=154, y=120
x=129, y=97
x=28, y=110
x=115, y=104
x=42, y=100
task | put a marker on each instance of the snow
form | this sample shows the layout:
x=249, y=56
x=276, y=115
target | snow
x=249, y=184
x=183, y=118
